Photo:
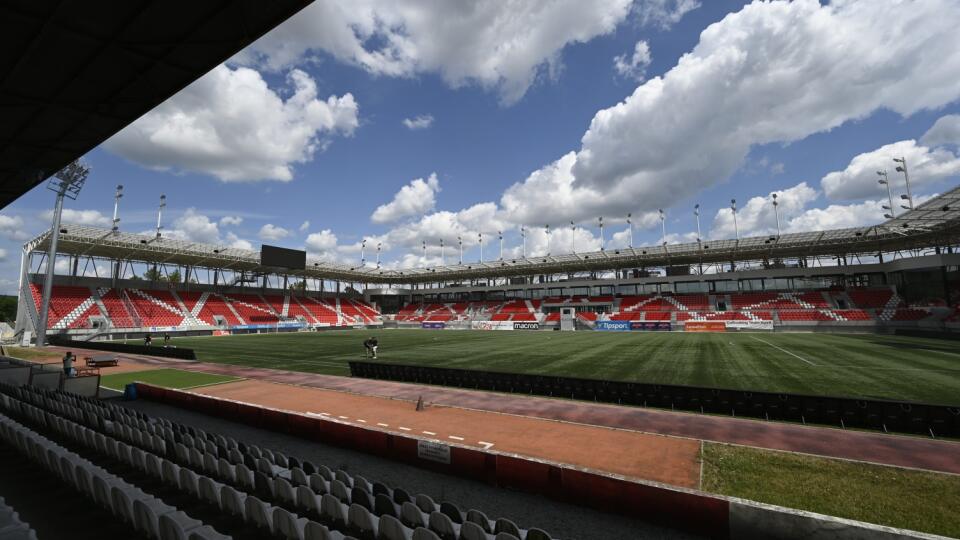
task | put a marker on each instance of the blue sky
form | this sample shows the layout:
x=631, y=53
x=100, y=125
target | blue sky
x=308, y=126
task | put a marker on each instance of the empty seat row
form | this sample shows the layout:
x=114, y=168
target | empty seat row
x=11, y=526
x=334, y=498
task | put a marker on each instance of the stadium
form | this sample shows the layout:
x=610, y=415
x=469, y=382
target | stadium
x=795, y=385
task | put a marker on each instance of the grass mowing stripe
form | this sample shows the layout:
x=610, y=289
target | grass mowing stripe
x=727, y=360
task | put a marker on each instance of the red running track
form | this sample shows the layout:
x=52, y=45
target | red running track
x=899, y=450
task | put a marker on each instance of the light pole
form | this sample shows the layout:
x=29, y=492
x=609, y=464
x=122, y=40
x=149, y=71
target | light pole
x=733, y=207
x=66, y=183
x=696, y=213
x=630, y=230
x=424, y=251
x=547, y=231
x=460, y=241
x=363, y=245
x=884, y=181
x=443, y=258
x=523, y=237
x=902, y=167
x=500, y=234
x=573, y=237
x=163, y=204
x=663, y=226
x=777, y=212
x=116, y=208
x=480, y=235
x=378, y=254
x=601, y=233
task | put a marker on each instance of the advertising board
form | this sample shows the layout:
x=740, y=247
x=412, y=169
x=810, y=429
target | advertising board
x=656, y=326
x=613, y=326
x=526, y=325
x=435, y=325
x=491, y=325
x=705, y=326
x=750, y=325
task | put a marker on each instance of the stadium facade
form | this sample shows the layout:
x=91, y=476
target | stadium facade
x=900, y=273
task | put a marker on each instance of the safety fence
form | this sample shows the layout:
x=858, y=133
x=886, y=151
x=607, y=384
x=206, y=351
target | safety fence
x=881, y=415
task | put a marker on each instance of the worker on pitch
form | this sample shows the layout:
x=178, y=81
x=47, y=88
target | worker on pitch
x=370, y=345
x=68, y=360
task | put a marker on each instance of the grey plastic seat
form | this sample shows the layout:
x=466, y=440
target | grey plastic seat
x=505, y=536
x=411, y=516
x=478, y=517
x=342, y=476
x=507, y=526
x=319, y=484
x=284, y=492
x=362, y=483
x=390, y=528
x=451, y=511
x=332, y=510
x=177, y=525
x=207, y=533
x=298, y=477
x=425, y=503
x=287, y=525
x=384, y=506
x=209, y=490
x=339, y=490
x=226, y=471
x=153, y=466
x=189, y=482
x=259, y=514
x=362, y=522
x=423, y=533
x=472, y=531
x=361, y=497
x=147, y=517
x=210, y=465
x=325, y=472
x=233, y=502
x=308, y=502
x=537, y=534
x=171, y=473
x=316, y=531
x=445, y=528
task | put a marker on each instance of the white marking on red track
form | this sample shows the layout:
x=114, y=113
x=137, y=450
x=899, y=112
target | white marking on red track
x=486, y=445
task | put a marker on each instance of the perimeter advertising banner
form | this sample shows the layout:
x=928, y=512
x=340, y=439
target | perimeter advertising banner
x=613, y=326
x=526, y=325
x=436, y=325
x=750, y=325
x=705, y=326
x=491, y=325
x=655, y=326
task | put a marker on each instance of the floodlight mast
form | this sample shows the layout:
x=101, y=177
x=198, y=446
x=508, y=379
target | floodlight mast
x=630, y=229
x=696, y=212
x=886, y=182
x=663, y=227
x=733, y=208
x=902, y=167
x=777, y=212
x=116, y=208
x=65, y=183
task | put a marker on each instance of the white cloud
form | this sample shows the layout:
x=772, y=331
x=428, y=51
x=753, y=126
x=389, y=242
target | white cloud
x=304, y=226
x=3, y=254
x=837, y=216
x=859, y=179
x=273, y=232
x=235, y=241
x=92, y=218
x=501, y=46
x=946, y=130
x=665, y=13
x=231, y=125
x=757, y=216
x=11, y=228
x=418, y=197
x=422, y=121
x=633, y=66
x=773, y=72
x=226, y=221
x=321, y=242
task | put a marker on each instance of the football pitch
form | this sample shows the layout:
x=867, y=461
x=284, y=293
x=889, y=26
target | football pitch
x=851, y=365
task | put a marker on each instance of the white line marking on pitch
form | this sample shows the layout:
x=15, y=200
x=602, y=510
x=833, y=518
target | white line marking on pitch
x=361, y=420
x=783, y=350
x=486, y=445
x=454, y=437
x=405, y=428
x=343, y=417
x=381, y=424
x=429, y=433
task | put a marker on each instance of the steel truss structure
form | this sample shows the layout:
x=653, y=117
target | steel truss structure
x=932, y=225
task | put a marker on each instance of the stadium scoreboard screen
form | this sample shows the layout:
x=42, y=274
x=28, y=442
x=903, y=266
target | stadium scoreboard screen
x=278, y=257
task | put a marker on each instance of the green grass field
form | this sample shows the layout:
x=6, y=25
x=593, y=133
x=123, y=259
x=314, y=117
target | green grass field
x=917, y=500
x=892, y=367
x=168, y=378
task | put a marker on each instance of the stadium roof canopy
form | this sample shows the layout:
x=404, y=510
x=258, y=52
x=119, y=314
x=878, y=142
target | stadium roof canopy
x=74, y=72
x=934, y=223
